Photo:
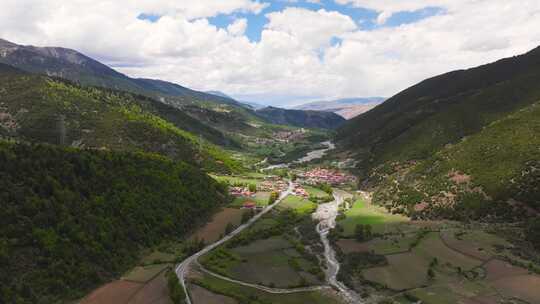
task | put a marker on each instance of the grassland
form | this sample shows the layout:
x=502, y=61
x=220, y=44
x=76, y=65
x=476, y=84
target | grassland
x=298, y=204
x=367, y=214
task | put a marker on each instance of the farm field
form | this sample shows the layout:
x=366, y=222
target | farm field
x=409, y=270
x=367, y=214
x=212, y=231
x=247, y=295
x=154, y=290
x=467, y=268
x=271, y=262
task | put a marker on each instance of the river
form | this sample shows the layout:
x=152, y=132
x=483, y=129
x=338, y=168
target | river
x=315, y=154
x=326, y=215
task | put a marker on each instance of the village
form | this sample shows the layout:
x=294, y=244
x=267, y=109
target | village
x=272, y=183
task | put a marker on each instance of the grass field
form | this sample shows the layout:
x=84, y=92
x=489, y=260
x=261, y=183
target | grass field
x=261, y=198
x=233, y=180
x=298, y=204
x=362, y=213
x=250, y=295
x=476, y=243
x=315, y=191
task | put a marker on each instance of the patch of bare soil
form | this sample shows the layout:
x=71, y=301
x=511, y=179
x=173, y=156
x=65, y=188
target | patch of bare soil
x=203, y=296
x=117, y=292
x=212, y=231
x=497, y=269
x=524, y=287
x=350, y=246
x=154, y=292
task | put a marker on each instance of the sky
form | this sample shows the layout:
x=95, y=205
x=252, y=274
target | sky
x=281, y=52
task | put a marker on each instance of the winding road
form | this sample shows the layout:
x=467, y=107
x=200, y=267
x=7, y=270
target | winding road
x=183, y=267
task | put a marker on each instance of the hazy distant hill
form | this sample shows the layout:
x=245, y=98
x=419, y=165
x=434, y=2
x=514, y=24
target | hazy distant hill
x=466, y=141
x=346, y=107
x=301, y=118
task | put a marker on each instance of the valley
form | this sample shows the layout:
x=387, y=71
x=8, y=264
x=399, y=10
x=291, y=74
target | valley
x=129, y=190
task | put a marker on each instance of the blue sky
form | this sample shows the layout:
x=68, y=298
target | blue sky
x=365, y=19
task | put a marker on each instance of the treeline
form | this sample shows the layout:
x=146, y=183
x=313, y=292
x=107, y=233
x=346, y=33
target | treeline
x=73, y=219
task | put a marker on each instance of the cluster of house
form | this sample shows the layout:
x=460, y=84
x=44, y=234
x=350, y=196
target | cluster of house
x=299, y=191
x=331, y=177
x=241, y=191
x=288, y=136
x=271, y=185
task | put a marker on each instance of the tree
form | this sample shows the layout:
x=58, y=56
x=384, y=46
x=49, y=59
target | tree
x=230, y=227
x=246, y=216
x=273, y=197
x=368, y=234
x=430, y=273
x=359, y=233
x=532, y=232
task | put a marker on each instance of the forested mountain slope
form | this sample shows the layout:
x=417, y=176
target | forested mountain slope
x=419, y=121
x=42, y=109
x=493, y=173
x=73, y=219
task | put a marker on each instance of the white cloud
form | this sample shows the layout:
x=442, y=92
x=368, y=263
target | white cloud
x=313, y=28
x=294, y=56
x=238, y=27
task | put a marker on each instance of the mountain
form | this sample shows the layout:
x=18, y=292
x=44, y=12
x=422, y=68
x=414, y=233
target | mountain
x=220, y=94
x=346, y=107
x=75, y=219
x=74, y=66
x=42, y=109
x=253, y=105
x=301, y=118
x=464, y=133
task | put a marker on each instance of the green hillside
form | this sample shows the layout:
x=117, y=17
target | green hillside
x=73, y=219
x=42, y=109
x=461, y=145
x=475, y=177
x=419, y=121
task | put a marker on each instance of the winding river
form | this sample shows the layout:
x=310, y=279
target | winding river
x=326, y=215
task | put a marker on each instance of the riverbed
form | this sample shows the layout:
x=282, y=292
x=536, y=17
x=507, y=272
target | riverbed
x=313, y=155
x=326, y=215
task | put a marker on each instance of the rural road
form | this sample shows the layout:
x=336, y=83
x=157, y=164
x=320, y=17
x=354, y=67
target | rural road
x=183, y=267
x=265, y=288
x=326, y=214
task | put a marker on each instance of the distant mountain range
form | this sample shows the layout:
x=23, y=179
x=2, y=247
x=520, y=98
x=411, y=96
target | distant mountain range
x=301, y=118
x=74, y=66
x=346, y=107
